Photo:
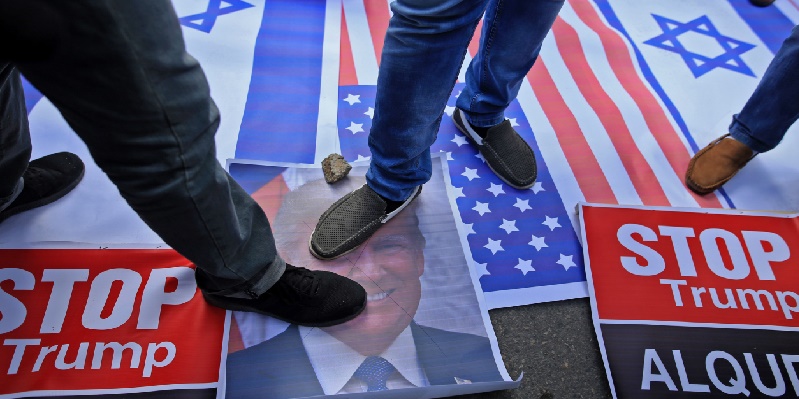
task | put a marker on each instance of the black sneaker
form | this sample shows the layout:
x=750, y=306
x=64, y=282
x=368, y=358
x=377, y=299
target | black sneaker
x=505, y=152
x=303, y=297
x=350, y=221
x=46, y=180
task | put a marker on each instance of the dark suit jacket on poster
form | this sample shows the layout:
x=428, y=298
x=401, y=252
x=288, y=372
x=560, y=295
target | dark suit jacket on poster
x=280, y=368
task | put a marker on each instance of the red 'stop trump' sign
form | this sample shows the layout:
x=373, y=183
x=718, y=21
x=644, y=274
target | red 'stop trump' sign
x=699, y=301
x=105, y=321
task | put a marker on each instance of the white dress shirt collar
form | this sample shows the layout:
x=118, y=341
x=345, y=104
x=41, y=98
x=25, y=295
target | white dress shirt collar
x=334, y=362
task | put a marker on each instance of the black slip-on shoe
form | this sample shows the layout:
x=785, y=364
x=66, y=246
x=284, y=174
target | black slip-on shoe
x=350, y=221
x=46, y=180
x=505, y=152
x=303, y=297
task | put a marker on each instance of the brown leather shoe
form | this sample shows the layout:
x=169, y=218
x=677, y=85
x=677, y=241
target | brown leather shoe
x=716, y=164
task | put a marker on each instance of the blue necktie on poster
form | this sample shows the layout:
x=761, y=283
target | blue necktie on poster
x=374, y=371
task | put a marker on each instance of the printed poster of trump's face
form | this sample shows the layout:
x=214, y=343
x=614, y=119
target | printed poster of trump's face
x=425, y=326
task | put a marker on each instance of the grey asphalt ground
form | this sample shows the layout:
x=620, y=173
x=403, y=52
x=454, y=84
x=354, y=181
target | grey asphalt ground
x=555, y=345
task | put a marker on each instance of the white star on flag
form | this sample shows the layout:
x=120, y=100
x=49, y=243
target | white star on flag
x=468, y=228
x=525, y=266
x=470, y=174
x=494, y=246
x=537, y=187
x=449, y=110
x=352, y=99
x=495, y=189
x=481, y=269
x=370, y=113
x=355, y=127
x=513, y=122
x=566, y=262
x=538, y=243
x=552, y=223
x=523, y=205
x=362, y=158
x=508, y=225
x=481, y=208
x=459, y=140
x=449, y=156
x=480, y=157
x=458, y=191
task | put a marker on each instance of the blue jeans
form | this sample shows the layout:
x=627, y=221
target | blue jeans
x=774, y=106
x=125, y=84
x=424, y=48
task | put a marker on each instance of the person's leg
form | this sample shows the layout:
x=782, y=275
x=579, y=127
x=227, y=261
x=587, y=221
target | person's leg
x=513, y=31
x=15, y=144
x=760, y=126
x=26, y=185
x=423, y=50
x=125, y=84
x=774, y=105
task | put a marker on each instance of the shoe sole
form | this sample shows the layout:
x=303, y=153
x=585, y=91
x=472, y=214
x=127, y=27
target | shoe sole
x=469, y=137
x=42, y=201
x=698, y=189
x=385, y=220
x=241, y=308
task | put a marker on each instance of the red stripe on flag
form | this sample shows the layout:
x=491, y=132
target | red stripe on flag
x=582, y=161
x=235, y=341
x=346, y=71
x=641, y=174
x=270, y=196
x=378, y=15
x=655, y=117
x=474, y=45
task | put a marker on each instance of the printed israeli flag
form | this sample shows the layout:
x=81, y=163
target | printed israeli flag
x=704, y=60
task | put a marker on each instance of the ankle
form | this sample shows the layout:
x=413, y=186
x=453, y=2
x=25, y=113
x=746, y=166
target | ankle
x=481, y=131
x=5, y=201
x=391, y=206
x=741, y=142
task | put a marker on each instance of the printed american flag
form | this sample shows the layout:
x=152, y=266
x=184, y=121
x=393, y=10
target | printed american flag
x=518, y=238
x=586, y=105
x=579, y=136
x=603, y=128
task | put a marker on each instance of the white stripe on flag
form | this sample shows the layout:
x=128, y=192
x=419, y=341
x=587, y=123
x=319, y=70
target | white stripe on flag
x=363, y=49
x=562, y=174
x=226, y=55
x=326, y=125
x=790, y=8
x=466, y=61
x=633, y=118
x=590, y=126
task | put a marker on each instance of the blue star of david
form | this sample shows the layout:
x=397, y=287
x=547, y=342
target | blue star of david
x=698, y=63
x=205, y=21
